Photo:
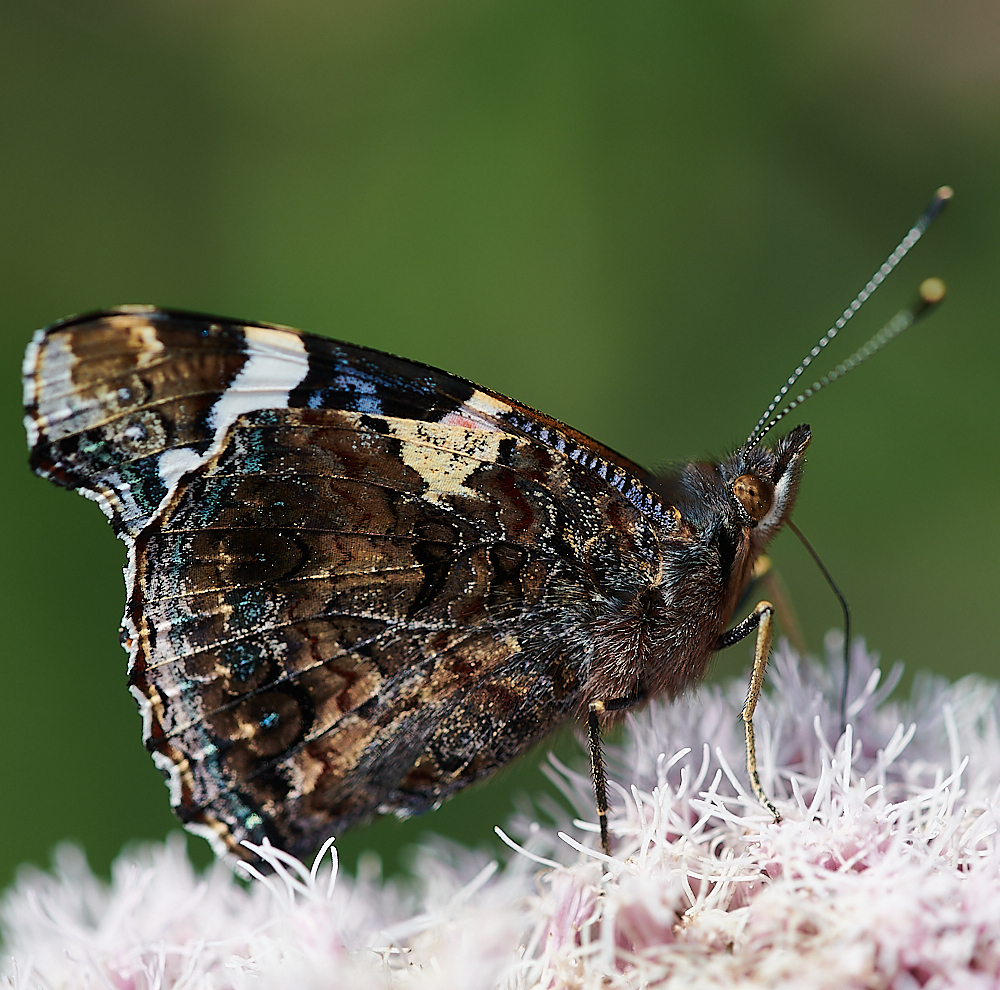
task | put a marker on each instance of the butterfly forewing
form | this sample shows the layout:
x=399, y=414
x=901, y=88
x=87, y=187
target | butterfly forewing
x=356, y=583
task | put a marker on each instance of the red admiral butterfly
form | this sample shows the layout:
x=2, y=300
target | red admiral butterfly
x=356, y=584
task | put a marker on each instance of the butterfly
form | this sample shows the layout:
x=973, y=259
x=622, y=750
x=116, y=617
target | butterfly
x=357, y=584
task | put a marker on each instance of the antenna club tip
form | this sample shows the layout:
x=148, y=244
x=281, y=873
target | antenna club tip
x=944, y=193
x=932, y=291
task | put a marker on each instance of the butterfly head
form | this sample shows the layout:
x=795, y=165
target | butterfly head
x=756, y=490
x=763, y=482
x=728, y=511
x=750, y=493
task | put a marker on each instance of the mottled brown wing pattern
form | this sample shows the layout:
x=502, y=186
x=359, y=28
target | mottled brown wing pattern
x=349, y=626
x=355, y=584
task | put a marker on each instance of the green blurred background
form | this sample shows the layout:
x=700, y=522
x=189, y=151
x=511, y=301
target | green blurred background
x=635, y=216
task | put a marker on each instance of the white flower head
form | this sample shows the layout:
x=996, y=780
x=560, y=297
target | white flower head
x=884, y=871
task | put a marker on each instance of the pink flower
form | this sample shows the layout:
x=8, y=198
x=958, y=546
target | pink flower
x=884, y=872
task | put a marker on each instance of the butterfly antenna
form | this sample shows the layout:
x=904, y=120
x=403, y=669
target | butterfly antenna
x=931, y=293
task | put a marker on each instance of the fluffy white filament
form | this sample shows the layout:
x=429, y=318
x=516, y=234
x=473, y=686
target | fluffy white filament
x=885, y=871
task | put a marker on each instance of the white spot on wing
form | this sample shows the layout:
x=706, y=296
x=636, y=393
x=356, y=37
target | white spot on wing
x=212, y=836
x=63, y=409
x=482, y=403
x=445, y=460
x=276, y=363
x=103, y=502
x=48, y=371
x=28, y=367
x=145, y=709
x=173, y=775
x=173, y=463
x=30, y=428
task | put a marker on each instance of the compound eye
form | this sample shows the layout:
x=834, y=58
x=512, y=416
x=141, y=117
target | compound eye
x=755, y=495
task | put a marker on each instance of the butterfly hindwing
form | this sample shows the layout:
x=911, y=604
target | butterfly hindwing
x=356, y=583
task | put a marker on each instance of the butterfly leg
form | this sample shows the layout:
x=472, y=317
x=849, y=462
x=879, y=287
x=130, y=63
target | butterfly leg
x=760, y=619
x=766, y=579
x=594, y=713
